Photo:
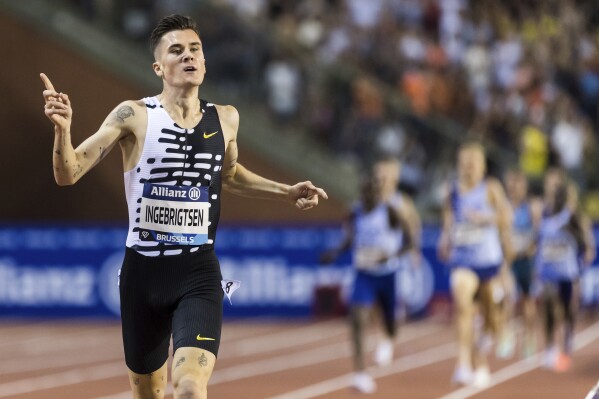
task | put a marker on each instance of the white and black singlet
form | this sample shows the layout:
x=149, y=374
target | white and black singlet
x=173, y=193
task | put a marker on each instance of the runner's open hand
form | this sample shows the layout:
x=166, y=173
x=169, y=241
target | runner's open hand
x=305, y=195
x=57, y=105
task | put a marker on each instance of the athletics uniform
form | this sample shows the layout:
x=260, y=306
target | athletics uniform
x=375, y=238
x=476, y=247
x=170, y=281
x=558, y=255
x=522, y=239
x=558, y=267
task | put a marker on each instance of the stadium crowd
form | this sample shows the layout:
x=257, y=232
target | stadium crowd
x=367, y=77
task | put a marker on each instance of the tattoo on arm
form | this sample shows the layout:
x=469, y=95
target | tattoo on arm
x=78, y=170
x=123, y=113
x=203, y=360
x=181, y=360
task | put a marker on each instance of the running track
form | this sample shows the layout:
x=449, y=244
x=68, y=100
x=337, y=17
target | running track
x=276, y=360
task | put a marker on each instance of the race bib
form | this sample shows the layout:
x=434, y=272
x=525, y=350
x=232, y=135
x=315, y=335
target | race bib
x=467, y=234
x=174, y=214
x=554, y=251
x=368, y=258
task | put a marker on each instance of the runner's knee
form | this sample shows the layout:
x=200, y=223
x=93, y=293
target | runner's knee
x=190, y=387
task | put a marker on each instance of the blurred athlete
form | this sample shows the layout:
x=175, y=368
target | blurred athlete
x=474, y=241
x=526, y=219
x=177, y=151
x=378, y=235
x=387, y=171
x=565, y=245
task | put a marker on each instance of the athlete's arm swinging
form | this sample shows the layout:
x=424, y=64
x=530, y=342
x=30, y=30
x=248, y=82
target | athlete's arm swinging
x=239, y=180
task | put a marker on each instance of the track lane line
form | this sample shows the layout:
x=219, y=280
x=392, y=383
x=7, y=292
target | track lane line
x=582, y=339
x=287, y=361
x=403, y=364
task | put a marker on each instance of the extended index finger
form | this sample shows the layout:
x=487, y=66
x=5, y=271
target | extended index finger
x=47, y=82
x=318, y=190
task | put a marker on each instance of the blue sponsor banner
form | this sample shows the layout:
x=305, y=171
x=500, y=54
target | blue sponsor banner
x=73, y=271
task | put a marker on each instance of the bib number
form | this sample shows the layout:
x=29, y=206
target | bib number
x=174, y=214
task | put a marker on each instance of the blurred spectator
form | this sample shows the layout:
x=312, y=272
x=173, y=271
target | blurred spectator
x=568, y=139
x=477, y=62
x=283, y=82
x=534, y=152
x=365, y=121
x=492, y=69
x=365, y=14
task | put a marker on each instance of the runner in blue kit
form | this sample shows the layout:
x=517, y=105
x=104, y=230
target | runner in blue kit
x=474, y=242
x=387, y=171
x=178, y=150
x=565, y=246
x=518, y=284
x=378, y=235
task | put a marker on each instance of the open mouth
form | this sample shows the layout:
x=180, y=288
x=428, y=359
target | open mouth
x=190, y=69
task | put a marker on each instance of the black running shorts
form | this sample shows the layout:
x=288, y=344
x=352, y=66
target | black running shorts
x=179, y=295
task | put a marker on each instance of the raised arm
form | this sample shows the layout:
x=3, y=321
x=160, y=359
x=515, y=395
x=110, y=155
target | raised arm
x=239, y=180
x=70, y=163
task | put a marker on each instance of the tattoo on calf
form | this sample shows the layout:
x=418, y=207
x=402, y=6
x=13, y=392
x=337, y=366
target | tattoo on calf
x=124, y=112
x=181, y=360
x=203, y=360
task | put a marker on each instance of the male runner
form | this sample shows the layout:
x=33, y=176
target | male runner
x=474, y=242
x=565, y=246
x=378, y=235
x=177, y=151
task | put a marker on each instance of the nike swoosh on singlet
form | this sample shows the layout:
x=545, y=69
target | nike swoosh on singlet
x=208, y=135
x=199, y=337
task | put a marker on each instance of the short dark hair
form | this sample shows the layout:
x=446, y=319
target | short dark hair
x=171, y=23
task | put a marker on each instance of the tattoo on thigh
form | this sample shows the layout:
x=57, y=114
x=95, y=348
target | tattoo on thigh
x=181, y=360
x=203, y=360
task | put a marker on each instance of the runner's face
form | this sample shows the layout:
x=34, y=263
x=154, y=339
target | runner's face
x=516, y=186
x=471, y=165
x=180, y=59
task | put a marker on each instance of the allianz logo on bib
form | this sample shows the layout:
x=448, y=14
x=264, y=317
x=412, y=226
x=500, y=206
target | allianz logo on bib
x=194, y=192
